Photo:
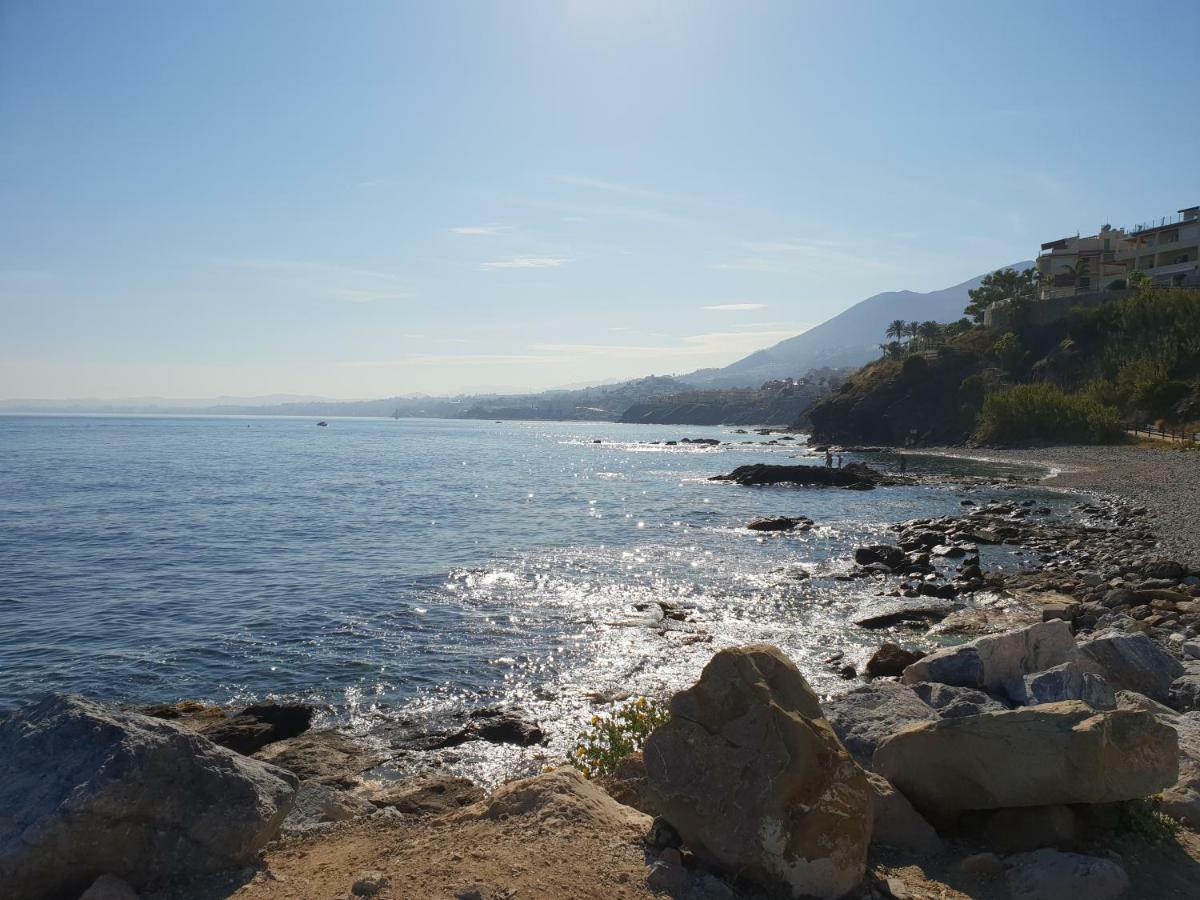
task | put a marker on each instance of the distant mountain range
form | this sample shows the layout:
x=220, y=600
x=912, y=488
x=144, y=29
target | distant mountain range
x=849, y=339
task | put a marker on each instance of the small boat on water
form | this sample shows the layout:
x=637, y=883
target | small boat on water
x=322, y=424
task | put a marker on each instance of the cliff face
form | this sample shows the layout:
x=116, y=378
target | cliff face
x=917, y=401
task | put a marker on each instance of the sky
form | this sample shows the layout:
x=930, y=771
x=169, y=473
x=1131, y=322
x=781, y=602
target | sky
x=367, y=199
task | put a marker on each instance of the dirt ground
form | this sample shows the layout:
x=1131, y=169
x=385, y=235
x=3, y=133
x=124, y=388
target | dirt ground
x=540, y=854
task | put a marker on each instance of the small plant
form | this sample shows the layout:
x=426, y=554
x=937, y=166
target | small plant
x=1145, y=819
x=609, y=739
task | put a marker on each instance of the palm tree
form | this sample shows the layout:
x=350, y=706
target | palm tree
x=897, y=329
x=1078, y=272
x=914, y=328
x=929, y=331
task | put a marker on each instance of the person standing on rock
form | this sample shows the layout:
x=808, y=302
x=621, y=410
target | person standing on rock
x=828, y=458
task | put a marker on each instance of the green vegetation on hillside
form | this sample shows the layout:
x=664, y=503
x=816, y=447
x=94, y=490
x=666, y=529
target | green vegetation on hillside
x=1043, y=412
x=1077, y=380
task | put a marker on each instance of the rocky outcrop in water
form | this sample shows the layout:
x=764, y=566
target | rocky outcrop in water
x=854, y=476
x=781, y=523
x=86, y=791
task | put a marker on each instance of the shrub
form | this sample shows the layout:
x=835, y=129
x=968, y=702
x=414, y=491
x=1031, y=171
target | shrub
x=1146, y=820
x=1008, y=351
x=609, y=739
x=1158, y=397
x=1043, y=412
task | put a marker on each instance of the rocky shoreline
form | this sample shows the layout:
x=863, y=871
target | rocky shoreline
x=1008, y=729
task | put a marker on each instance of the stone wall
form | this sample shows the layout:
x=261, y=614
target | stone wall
x=1055, y=309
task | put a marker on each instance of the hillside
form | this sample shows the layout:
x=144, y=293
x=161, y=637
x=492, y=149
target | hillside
x=773, y=404
x=1074, y=381
x=851, y=338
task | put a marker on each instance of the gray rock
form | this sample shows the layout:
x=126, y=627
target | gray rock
x=430, y=796
x=319, y=804
x=1164, y=568
x=993, y=661
x=1065, y=682
x=704, y=886
x=897, y=824
x=892, y=557
x=891, y=612
x=667, y=878
x=1053, y=875
x=1131, y=662
x=953, y=702
x=320, y=754
x=865, y=716
x=368, y=884
x=1185, y=693
x=88, y=791
x=109, y=887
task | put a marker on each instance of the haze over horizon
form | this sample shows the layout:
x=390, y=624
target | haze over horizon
x=375, y=200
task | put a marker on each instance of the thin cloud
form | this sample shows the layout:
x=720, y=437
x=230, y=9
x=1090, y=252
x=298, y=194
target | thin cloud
x=481, y=230
x=525, y=262
x=434, y=359
x=735, y=307
x=611, y=187
x=695, y=346
x=308, y=267
x=351, y=295
x=786, y=255
x=717, y=342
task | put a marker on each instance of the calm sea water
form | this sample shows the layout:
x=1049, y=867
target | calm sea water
x=379, y=566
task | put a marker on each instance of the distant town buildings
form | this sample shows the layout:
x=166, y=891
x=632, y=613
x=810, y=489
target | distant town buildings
x=1166, y=251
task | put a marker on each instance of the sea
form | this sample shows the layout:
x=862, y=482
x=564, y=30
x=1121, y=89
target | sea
x=388, y=570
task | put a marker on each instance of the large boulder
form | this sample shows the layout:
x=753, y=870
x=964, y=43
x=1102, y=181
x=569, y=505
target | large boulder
x=86, y=791
x=1182, y=800
x=1055, y=753
x=1132, y=662
x=865, y=716
x=994, y=661
x=755, y=781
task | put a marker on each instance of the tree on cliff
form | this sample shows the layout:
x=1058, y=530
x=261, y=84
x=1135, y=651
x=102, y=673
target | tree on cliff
x=1001, y=285
x=897, y=330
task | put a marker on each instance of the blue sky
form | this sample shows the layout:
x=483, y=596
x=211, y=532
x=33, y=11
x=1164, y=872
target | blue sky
x=367, y=199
